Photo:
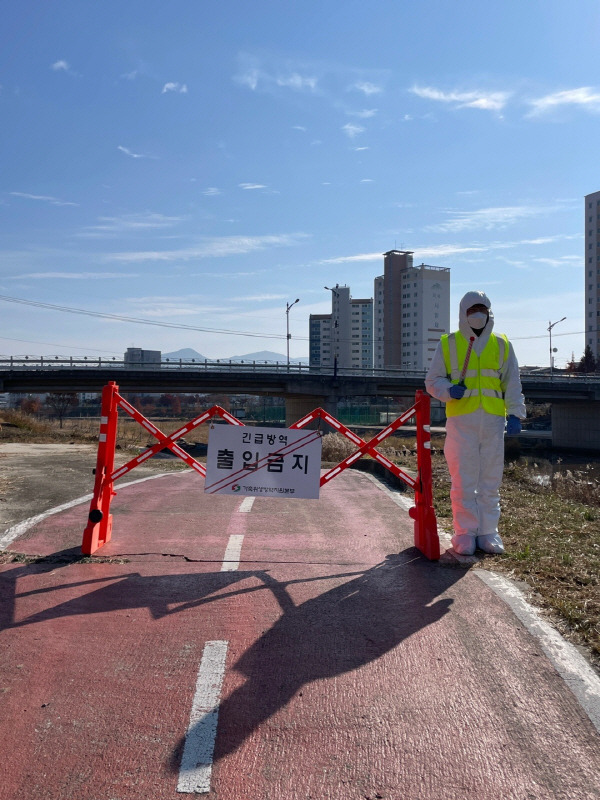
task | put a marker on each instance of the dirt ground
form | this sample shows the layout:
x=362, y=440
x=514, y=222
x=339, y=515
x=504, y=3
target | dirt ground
x=37, y=477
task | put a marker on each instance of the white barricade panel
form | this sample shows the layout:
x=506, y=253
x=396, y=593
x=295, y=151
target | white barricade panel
x=263, y=462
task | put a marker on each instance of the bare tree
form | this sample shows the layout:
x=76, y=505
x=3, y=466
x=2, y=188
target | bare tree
x=61, y=402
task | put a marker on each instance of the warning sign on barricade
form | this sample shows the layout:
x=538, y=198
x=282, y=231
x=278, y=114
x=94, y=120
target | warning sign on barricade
x=263, y=462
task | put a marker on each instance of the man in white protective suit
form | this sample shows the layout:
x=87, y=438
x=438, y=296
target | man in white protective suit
x=475, y=372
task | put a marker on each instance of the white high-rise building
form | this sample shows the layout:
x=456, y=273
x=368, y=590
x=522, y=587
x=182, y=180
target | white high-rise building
x=361, y=333
x=592, y=273
x=343, y=338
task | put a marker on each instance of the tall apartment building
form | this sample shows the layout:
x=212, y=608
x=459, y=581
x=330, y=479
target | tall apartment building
x=416, y=310
x=344, y=337
x=592, y=272
x=399, y=328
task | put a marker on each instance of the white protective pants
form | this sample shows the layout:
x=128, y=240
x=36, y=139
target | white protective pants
x=474, y=451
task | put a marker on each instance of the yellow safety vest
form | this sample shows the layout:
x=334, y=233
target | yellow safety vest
x=482, y=379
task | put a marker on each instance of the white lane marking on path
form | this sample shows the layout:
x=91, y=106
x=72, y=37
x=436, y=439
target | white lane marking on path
x=12, y=533
x=247, y=504
x=196, y=763
x=231, y=559
x=236, y=530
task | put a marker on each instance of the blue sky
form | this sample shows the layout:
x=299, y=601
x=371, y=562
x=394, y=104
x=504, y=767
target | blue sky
x=203, y=164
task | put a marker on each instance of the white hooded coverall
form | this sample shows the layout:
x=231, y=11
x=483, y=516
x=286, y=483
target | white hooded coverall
x=474, y=447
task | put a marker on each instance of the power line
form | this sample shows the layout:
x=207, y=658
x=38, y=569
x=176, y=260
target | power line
x=54, y=344
x=143, y=321
x=201, y=329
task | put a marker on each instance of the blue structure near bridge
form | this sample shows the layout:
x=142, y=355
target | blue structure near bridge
x=574, y=399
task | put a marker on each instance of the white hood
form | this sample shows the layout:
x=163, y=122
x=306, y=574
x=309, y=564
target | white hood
x=472, y=299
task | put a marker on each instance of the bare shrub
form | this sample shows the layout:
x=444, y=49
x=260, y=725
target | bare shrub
x=336, y=447
x=576, y=486
x=24, y=422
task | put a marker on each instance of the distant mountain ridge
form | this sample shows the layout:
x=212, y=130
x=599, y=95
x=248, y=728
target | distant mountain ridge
x=189, y=354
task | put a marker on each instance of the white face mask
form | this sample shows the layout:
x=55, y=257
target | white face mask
x=477, y=320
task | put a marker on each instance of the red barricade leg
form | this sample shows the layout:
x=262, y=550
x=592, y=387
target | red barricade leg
x=99, y=527
x=423, y=513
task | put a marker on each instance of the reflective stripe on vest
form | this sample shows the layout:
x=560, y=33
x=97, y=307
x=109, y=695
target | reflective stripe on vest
x=482, y=379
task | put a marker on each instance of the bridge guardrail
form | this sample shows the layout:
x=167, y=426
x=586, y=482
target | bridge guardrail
x=56, y=363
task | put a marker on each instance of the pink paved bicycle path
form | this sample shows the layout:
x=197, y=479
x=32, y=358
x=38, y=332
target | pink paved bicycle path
x=355, y=668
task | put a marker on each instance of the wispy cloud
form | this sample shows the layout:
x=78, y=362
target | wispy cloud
x=298, y=82
x=458, y=249
x=367, y=88
x=63, y=66
x=486, y=100
x=74, y=276
x=55, y=201
x=445, y=250
x=167, y=307
x=131, y=154
x=562, y=261
x=212, y=248
x=258, y=298
x=489, y=218
x=131, y=223
x=585, y=97
x=249, y=78
x=366, y=113
x=178, y=88
x=257, y=78
x=229, y=275
x=351, y=259
x=421, y=252
x=251, y=186
x=351, y=130
x=212, y=191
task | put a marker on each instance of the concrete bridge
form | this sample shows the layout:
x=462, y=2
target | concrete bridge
x=575, y=399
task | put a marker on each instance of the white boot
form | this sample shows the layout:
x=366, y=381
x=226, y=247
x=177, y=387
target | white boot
x=463, y=544
x=491, y=544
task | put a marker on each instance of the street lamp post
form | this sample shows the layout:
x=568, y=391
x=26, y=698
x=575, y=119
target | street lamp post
x=289, y=335
x=334, y=333
x=550, y=326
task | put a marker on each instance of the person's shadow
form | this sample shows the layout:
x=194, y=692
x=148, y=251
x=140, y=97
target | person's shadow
x=335, y=632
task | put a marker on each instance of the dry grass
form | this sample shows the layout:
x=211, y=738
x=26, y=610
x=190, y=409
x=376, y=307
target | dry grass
x=551, y=532
x=18, y=427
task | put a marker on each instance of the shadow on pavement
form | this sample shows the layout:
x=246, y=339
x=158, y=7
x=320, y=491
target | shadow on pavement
x=335, y=632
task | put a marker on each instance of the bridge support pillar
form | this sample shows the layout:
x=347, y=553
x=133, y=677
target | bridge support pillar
x=576, y=425
x=300, y=405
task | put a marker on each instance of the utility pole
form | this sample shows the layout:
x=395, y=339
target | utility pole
x=289, y=335
x=550, y=326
